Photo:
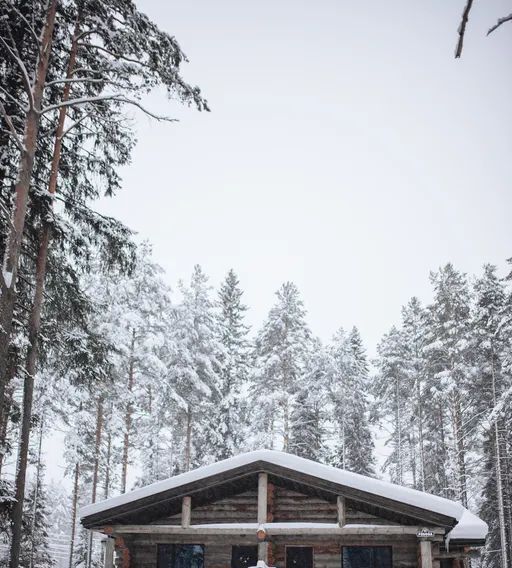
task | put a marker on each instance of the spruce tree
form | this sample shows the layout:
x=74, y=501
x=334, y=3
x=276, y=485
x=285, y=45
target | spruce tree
x=232, y=412
x=281, y=352
x=194, y=368
x=349, y=388
x=308, y=432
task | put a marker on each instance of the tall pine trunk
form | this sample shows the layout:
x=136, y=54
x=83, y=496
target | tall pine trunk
x=499, y=477
x=12, y=253
x=74, y=509
x=420, y=434
x=460, y=448
x=128, y=416
x=95, y=471
x=188, y=439
x=36, y=492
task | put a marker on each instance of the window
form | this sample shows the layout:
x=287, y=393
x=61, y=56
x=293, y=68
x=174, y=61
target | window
x=244, y=556
x=180, y=556
x=367, y=557
x=299, y=557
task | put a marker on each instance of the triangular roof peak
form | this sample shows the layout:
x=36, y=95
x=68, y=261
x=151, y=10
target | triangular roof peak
x=466, y=525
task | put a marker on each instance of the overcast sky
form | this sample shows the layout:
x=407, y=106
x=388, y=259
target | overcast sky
x=346, y=151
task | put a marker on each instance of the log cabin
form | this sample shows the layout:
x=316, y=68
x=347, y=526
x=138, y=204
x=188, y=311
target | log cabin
x=275, y=509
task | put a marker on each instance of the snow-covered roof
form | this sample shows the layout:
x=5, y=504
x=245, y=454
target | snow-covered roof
x=468, y=527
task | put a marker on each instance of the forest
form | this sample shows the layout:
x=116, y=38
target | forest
x=145, y=382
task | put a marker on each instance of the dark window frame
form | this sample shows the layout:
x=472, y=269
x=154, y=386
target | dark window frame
x=389, y=546
x=173, y=546
x=287, y=546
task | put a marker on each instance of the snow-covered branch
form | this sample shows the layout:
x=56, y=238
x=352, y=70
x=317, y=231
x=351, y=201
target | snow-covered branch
x=119, y=97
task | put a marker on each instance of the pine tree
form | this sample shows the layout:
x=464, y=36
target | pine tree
x=489, y=312
x=281, y=353
x=232, y=412
x=35, y=538
x=349, y=387
x=451, y=371
x=308, y=431
x=194, y=369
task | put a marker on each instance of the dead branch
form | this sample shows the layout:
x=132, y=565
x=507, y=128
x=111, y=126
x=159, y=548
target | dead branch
x=500, y=22
x=462, y=28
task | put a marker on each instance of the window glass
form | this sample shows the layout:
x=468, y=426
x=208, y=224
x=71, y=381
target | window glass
x=299, y=557
x=180, y=556
x=367, y=557
x=244, y=556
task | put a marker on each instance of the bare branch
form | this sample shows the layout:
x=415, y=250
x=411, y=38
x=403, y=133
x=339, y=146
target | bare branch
x=12, y=128
x=13, y=99
x=76, y=123
x=462, y=28
x=24, y=73
x=27, y=23
x=500, y=22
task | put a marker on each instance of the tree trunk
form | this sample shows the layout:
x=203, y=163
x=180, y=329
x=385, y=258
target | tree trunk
x=9, y=272
x=36, y=491
x=128, y=417
x=398, y=419
x=11, y=372
x=74, y=508
x=108, y=456
x=420, y=433
x=21, y=470
x=499, y=477
x=460, y=450
x=96, y=467
x=188, y=442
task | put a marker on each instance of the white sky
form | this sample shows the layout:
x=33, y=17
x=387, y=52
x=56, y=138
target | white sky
x=346, y=151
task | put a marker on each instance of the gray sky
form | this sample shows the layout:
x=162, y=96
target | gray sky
x=346, y=151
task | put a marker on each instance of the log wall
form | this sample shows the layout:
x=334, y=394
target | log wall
x=326, y=551
x=284, y=506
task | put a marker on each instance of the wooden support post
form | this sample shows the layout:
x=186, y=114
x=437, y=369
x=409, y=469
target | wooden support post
x=425, y=554
x=262, y=497
x=186, y=511
x=109, y=553
x=121, y=546
x=341, y=511
x=263, y=552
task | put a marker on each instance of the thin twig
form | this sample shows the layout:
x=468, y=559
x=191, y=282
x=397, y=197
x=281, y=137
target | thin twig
x=462, y=28
x=500, y=22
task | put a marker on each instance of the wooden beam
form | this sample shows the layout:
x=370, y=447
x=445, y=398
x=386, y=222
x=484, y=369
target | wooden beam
x=251, y=529
x=425, y=554
x=262, y=497
x=109, y=553
x=263, y=552
x=341, y=510
x=186, y=511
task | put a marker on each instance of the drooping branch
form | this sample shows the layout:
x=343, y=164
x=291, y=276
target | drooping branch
x=23, y=69
x=113, y=97
x=499, y=23
x=12, y=129
x=462, y=27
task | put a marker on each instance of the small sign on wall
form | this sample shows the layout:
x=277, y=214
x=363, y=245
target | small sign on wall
x=424, y=533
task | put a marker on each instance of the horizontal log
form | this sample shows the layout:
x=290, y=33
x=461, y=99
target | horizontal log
x=270, y=529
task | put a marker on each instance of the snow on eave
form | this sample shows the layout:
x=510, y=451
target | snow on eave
x=468, y=525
